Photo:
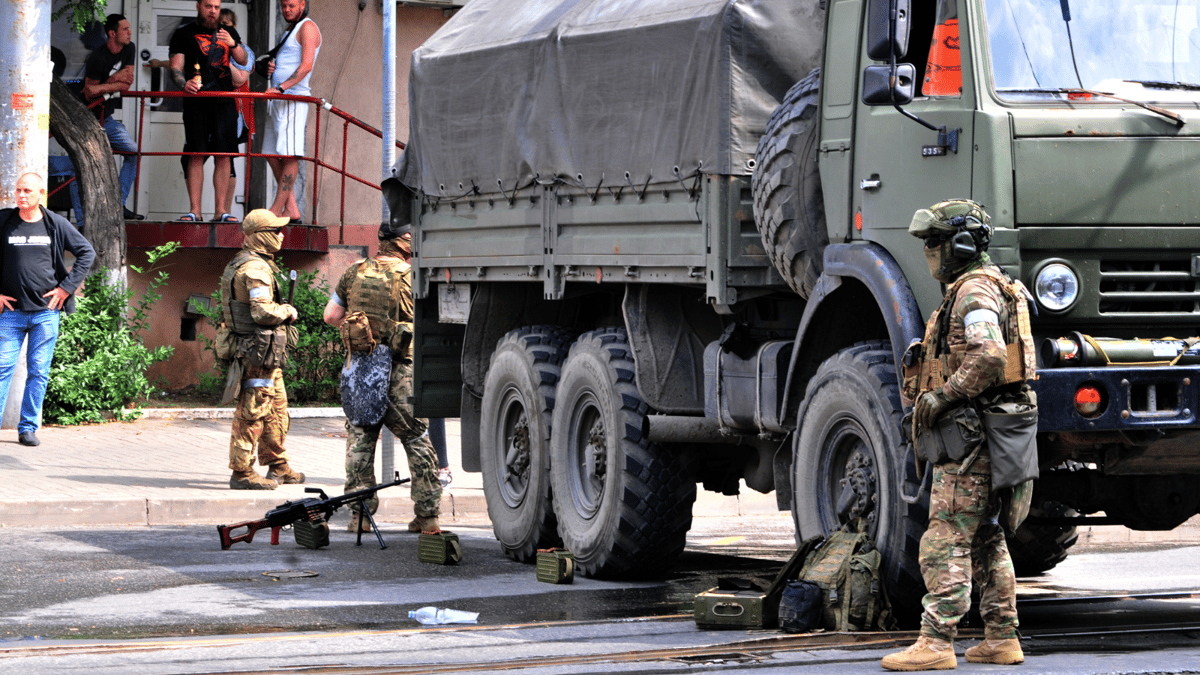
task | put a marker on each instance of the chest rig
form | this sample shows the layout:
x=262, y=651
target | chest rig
x=375, y=292
x=939, y=359
x=235, y=313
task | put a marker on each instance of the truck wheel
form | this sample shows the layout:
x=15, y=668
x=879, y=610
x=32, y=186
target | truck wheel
x=624, y=505
x=789, y=207
x=1038, y=548
x=850, y=460
x=514, y=436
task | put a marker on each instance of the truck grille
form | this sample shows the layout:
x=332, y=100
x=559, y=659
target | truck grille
x=1148, y=287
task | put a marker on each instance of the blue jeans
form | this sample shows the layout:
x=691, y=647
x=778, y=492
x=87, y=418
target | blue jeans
x=42, y=328
x=61, y=166
x=119, y=139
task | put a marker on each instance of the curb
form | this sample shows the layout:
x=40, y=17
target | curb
x=227, y=413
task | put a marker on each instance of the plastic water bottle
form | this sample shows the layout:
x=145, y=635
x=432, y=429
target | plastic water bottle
x=431, y=616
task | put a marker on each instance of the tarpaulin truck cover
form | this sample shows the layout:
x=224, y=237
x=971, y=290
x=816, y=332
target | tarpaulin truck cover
x=513, y=91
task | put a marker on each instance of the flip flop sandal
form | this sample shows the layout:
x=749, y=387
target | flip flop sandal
x=188, y=218
x=226, y=218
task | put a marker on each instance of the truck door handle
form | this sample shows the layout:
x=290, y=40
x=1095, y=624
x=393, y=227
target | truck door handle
x=872, y=183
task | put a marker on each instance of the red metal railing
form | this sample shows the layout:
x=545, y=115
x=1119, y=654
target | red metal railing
x=315, y=158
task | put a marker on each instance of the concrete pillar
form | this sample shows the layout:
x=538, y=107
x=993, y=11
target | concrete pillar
x=24, y=121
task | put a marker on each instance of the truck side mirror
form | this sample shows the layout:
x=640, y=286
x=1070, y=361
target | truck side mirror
x=881, y=41
x=880, y=89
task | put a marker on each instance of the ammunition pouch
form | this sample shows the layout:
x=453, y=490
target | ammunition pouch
x=356, y=333
x=402, y=338
x=958, y=433
x=225, y=343
x=268, y=347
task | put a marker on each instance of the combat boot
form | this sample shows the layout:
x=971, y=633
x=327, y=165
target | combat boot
x=992, y=650
x=424, y=524
x=358, y=523
x=926, y=654
x=281, y=473
x=249, y=480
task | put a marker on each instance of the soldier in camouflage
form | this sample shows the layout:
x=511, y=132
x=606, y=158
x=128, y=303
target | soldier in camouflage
x=966, y=355
x=253, y=302
x=381, y=288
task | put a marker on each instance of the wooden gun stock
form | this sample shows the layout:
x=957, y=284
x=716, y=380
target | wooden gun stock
x=229, y=539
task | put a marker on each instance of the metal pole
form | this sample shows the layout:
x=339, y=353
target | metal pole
x=389, y=159
x=24, y=122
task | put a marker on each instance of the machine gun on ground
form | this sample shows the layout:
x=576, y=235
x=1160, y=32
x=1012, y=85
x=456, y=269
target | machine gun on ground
x=309, y=518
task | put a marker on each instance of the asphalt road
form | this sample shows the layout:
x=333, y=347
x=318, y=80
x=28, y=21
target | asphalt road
x=168, y=600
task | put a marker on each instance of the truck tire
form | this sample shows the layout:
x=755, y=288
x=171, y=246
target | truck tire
x=624, y=505
x=849, y=459
x=789, y=206
x=1035, y=549
x=514, y=438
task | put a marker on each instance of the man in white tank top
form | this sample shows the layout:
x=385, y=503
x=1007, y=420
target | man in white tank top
x=290, y=73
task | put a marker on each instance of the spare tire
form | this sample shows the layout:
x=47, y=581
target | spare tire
x=789, y=206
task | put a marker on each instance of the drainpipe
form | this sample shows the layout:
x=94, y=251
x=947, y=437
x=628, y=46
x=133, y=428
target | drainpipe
x=389, y=160
x=24, y=123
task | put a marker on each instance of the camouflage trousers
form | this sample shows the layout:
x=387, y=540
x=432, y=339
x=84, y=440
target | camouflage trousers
x=261, y=420
x=411, y=432
x=965, y=544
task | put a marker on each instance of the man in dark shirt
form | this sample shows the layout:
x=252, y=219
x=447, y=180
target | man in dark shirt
x=200, y=56
x=34, y=286
x=109, y=72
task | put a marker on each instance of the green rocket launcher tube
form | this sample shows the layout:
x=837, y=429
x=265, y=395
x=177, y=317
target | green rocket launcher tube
x=1077, y=350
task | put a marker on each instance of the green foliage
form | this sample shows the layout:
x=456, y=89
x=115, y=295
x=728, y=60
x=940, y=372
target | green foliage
x=100, y=361
x=82, y=12
x=314, y=366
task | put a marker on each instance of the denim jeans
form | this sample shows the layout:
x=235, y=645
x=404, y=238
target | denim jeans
x=61, y=166
x=42, y=329
x=119, y=139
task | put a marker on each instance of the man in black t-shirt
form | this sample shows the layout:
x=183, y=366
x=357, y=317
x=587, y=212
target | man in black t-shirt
x=34, y=286
x=200, y=54
x=109, y=72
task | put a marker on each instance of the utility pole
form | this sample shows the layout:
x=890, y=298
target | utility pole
x=389, y=160
x=24, y=122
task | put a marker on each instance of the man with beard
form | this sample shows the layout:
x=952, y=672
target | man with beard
x=200, y=61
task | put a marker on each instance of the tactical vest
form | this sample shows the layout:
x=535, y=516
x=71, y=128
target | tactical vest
x=375, y=292
x=938, y=362
x=235, y=313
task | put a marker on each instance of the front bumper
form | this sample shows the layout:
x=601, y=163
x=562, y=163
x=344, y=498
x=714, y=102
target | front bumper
x=1133, y=399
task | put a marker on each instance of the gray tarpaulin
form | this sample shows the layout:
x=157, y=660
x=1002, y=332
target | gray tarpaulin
x=513, y=90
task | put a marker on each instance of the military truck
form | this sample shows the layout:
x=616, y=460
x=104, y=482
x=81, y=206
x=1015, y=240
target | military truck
x=662, y=244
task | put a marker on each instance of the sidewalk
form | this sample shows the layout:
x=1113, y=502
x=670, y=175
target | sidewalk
x=171, y=468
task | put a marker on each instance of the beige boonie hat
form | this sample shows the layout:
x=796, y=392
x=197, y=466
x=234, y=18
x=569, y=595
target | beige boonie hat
x=941, y=219
x=262, y=219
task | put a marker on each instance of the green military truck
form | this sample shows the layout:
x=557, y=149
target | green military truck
x=661, y=244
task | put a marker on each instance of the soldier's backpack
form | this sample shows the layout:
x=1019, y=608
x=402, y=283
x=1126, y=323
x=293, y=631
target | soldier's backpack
x=846, y=568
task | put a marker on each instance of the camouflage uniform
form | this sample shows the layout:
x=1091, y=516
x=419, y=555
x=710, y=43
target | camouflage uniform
x=964, y=541
x=261, y=419
x=361, y=288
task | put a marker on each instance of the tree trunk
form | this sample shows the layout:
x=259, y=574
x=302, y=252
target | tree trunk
x=76, y=129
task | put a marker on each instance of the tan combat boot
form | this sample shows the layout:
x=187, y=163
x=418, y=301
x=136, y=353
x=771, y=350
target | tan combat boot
x=424, y=524
x=926, y=654
x=249, y=480
x=282, y=473
x=992, y=650
x=358, y=523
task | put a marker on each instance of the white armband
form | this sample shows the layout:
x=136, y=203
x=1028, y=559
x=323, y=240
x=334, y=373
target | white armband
x=981, y=316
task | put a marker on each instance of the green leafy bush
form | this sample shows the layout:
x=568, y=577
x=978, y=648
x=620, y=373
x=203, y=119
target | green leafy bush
x=314, y=366
x=100, y=361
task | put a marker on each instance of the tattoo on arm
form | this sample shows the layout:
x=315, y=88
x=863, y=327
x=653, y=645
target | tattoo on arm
x=177, y=78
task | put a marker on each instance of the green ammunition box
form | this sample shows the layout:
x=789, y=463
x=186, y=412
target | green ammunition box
x=737, y=604
x=441, y=548
x=555, y=566
x=311, y=535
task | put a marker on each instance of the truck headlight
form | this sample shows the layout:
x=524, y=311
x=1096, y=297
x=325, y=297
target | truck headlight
x=1056, y=287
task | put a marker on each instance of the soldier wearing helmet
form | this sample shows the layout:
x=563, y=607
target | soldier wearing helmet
x=373, y=306
x=977, y=347
x=259, y=323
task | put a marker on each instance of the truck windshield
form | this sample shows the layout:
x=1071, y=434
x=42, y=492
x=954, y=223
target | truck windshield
x=1145, y=50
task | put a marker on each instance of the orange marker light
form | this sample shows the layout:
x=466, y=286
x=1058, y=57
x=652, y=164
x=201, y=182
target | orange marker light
x=1087, y=400
x=858, y=221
